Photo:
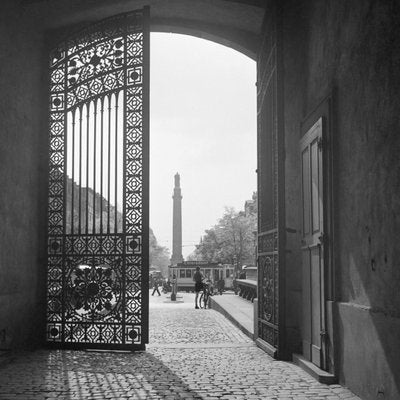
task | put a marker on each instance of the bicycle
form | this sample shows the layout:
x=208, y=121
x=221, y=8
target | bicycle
x=205, y=294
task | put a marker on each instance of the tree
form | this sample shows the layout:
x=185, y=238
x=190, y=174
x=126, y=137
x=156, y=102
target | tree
x=232, y=239
x=159, y=255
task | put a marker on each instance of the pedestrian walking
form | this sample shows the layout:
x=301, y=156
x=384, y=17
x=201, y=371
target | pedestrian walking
x=198, y=284
x=155, y=287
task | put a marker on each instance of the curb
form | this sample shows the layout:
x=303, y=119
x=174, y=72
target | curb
x=217, y=307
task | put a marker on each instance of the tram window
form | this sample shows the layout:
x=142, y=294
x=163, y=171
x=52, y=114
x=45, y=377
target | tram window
x=228, y=272
x=207, y=273
x=188, y=273
x=181, y=273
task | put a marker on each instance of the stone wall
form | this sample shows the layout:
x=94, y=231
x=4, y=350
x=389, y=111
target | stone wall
x=23, y=167
x=350, y=50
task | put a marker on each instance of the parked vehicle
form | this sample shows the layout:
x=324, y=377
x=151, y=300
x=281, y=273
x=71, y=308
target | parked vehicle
x=214, y=272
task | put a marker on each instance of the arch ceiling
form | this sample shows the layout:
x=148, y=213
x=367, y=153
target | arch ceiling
x=234, y=23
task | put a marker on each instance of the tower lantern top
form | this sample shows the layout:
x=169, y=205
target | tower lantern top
x=177, y=180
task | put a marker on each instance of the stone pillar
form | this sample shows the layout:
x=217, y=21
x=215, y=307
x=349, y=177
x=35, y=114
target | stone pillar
x=177, y=224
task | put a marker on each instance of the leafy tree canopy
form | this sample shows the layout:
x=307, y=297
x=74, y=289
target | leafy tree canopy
x=159, y=255
x=231, y=239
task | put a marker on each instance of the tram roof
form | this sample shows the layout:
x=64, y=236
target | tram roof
x=194, y=264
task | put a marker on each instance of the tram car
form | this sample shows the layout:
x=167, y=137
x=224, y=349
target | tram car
x=214, y=272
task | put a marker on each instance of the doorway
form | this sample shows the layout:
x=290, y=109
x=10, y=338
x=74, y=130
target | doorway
x=313, y=259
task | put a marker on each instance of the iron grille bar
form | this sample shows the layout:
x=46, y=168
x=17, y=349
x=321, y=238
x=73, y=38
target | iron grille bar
x=94, y=164
x=73, y=171
x=102, y=165
x=116, y=164
x=109, y=164
x=87, y=167
x=80, y=170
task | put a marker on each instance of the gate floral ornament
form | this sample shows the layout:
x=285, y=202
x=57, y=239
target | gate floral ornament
x=94, y=291
x=268, y=289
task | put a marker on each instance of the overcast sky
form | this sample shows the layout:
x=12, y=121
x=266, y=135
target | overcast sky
x=202, y=125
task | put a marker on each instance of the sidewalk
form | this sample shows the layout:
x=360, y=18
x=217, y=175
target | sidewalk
x=238, y=310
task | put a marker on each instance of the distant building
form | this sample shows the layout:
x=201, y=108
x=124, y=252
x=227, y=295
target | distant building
x=250, y=206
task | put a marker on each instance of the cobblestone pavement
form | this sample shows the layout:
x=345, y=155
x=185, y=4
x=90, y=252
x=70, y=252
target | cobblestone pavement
x=193, y=354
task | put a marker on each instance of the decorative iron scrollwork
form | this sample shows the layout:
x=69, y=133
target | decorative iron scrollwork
x=268, y=186
x=268, y=288
x=94, y=292
x=96, y=232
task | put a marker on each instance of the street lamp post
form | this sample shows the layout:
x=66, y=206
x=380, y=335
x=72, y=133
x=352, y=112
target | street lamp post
x=235, y=274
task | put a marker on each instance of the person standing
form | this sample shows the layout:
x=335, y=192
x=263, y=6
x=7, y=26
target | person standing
x=221, y=286
x=198, y=284
x=174, y=286
x=155, y=287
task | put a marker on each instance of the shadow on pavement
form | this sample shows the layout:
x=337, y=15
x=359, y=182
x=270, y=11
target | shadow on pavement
x=80, y=375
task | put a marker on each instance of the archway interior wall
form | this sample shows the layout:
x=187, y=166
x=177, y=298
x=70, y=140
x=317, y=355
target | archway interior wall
x=236, y=24
x=348, y=50
x=23, y=165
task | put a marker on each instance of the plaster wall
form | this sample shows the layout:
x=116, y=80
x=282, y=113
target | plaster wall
x=352, y=51
x=22, y=214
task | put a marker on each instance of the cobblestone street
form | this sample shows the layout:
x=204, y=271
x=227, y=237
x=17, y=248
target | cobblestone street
x=193, y=354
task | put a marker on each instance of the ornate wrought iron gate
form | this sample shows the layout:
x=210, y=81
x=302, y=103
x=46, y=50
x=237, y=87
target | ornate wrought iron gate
x=270, y=185
x=97, y=271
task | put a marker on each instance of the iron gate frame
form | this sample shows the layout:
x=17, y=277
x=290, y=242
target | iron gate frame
x=271, y=235
x=125, y=326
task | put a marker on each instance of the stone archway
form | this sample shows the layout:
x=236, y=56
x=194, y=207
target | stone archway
x=237, y=24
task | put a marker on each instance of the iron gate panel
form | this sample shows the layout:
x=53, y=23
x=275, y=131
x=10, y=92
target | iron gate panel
x=270, y=183
x=97, y=270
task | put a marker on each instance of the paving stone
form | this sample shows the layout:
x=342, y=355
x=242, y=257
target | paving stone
x=193, y=354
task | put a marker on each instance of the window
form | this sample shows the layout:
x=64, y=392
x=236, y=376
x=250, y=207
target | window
x=188, y=273
x=216, y=274
x=228, y=272
x=181, y=273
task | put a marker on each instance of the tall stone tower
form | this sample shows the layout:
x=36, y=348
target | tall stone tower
x=177, y=223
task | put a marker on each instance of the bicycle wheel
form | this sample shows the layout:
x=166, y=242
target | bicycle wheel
x=203, y=300
x=206, y=296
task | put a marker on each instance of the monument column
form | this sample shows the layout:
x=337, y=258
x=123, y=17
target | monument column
x=177, y=223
